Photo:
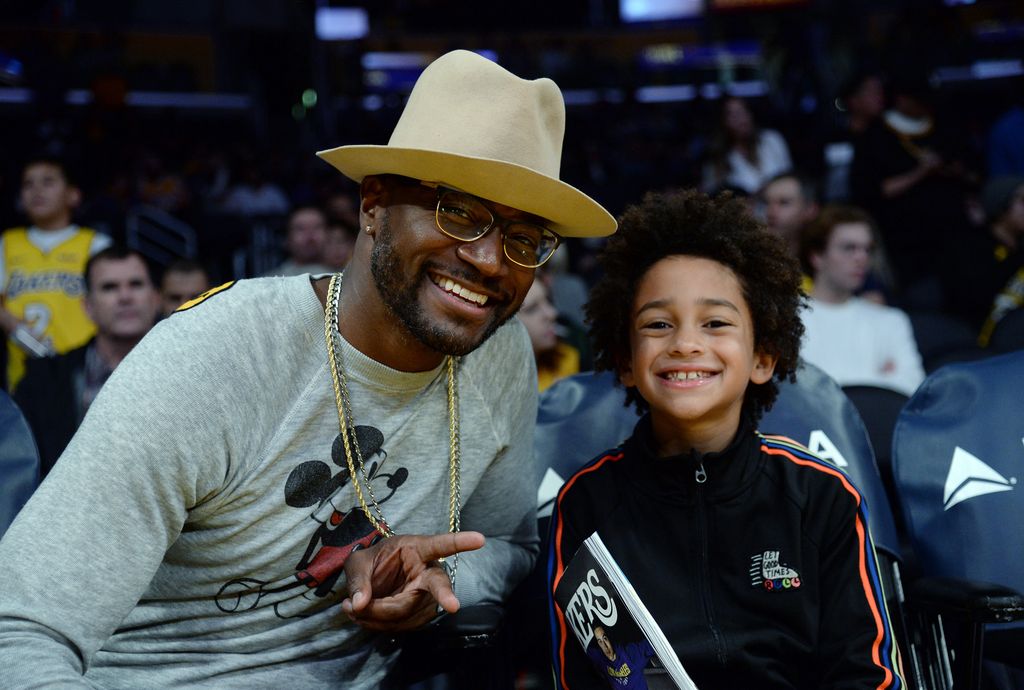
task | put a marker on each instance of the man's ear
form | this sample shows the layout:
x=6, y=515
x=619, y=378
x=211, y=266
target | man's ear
x=372, y=193
x=764, y=368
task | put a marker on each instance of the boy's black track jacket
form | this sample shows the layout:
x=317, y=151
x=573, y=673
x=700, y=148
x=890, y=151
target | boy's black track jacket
x=764, y=575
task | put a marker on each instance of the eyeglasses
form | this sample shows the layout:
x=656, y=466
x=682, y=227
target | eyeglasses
x=466, y=218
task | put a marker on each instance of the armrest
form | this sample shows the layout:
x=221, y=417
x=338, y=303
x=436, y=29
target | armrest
x=471, y=627
x=462, y=645
x=971, y=601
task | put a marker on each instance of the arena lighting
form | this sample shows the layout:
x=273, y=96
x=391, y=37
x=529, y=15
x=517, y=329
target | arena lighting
x=341, y=23
x=395, y=72
x=12, y=70
x=668, y=55
x=659, y=10
x=983, y=69
x=144, y=99
x=747, y=89
x=666, y=94
x=582, y=96
x=688, y=92
x=15, y=96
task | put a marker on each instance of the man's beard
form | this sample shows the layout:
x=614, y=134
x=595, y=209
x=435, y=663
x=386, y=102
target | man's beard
x=400, y=294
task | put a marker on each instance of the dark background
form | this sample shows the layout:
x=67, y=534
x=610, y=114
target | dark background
x=223, y=81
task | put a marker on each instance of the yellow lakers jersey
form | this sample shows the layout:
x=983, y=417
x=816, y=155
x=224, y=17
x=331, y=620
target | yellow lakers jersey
x=45, y=289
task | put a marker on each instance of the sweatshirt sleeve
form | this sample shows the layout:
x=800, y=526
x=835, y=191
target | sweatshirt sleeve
x=162, y=437
x=857, y=646
x=85, y=547
x=504, y=505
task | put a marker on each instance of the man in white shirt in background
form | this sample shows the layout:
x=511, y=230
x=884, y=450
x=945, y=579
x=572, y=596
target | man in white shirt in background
x=855, y=341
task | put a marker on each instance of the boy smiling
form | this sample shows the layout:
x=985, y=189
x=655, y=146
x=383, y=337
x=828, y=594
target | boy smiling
x=752, y=554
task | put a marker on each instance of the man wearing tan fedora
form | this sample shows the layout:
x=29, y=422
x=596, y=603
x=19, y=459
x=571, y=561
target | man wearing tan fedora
x=286, y=468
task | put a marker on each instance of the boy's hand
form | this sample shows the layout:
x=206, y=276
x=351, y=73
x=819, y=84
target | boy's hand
x=8, y=321
x=397, y=584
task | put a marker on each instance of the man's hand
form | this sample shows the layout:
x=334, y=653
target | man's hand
x=397, y=584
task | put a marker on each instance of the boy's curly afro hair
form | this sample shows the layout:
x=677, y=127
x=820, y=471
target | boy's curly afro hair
x=688, y=223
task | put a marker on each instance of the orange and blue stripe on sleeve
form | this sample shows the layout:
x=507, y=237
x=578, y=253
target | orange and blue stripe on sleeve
x=884, y=652
x=558, y=556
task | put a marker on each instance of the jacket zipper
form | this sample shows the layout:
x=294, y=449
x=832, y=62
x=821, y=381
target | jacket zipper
x=701, y=478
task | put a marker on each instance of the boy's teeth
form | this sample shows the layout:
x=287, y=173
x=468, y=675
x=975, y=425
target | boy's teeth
x=686, y=375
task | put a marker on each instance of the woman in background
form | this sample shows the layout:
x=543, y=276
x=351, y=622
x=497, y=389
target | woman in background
x=555, y=357
x=742, y=155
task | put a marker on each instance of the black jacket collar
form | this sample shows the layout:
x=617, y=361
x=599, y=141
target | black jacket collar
x=728, y=472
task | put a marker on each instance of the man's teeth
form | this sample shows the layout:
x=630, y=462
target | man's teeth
x=449, y=285
x=686, y=375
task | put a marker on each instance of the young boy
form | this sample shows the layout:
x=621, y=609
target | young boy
x=41, y=285
x=752, y=554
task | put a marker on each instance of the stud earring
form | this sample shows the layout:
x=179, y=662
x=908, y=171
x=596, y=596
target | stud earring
x=368, y=229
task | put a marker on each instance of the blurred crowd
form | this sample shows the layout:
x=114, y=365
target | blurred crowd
x=932, y=178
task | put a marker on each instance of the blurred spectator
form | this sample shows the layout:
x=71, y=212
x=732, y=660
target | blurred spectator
x=790, y=202
x=907, y=173
x=183, y=280
x=855, y=341
x=742, y=154
x=566, y=290
x=160, y=188
x=306, y=229
x=41, y=268
x=1003, y=198
x=339, y=244
x=862, y=101
x=555, y=358
x=343, y=207
x=207, y=174
x=57, y=391
x=254, y=195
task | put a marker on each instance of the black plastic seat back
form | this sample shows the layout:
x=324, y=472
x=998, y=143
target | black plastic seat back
x=1008, y=335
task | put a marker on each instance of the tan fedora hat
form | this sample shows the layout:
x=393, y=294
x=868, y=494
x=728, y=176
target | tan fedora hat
x=477, y=127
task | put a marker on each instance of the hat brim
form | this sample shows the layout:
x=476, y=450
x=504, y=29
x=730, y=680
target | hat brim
x=569, y=212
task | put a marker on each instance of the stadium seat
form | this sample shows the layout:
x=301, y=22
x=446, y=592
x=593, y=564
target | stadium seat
x=879, y=408
x=1008, y=335
x=457, y=652
x=958, y=451
x=942, y=339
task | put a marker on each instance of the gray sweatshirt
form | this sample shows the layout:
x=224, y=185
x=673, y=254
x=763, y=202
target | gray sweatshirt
x=194, y=531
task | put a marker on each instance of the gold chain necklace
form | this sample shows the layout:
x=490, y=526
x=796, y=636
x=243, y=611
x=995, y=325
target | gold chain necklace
x=348, y=433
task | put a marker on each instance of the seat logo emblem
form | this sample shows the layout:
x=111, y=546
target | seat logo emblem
x=970, y=477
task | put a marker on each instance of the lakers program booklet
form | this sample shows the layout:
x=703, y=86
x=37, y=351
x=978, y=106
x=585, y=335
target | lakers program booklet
x=612, y=625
